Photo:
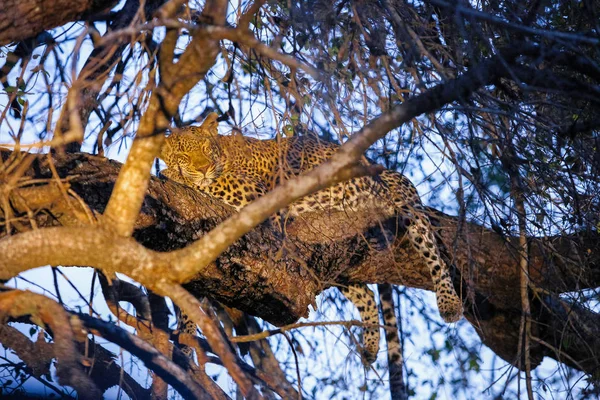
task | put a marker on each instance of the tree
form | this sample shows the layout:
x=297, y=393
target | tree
x=493, y=105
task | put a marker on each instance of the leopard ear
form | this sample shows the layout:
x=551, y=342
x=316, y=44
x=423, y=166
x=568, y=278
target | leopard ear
x=210, y=123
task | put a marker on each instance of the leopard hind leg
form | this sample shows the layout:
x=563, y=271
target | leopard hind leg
x=406, y=203
x=421, y=236
x=363, y=299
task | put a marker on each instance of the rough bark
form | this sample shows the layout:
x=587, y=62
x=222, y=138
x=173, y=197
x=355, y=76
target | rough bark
x=22, y=19
x=322, y=250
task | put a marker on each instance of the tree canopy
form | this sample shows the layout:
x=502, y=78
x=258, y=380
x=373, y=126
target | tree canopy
x=487, y=107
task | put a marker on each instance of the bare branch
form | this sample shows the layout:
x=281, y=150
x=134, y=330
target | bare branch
x=17, y=303
x=246, y=38
x=192, y=307
x=152, y=358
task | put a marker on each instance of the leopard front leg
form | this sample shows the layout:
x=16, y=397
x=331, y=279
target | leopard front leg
x=406, y=203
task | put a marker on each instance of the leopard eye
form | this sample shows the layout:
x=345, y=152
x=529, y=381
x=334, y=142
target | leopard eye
x=209, y=151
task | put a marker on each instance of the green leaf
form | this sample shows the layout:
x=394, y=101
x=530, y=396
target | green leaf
x=474, y=365
x=435, y=354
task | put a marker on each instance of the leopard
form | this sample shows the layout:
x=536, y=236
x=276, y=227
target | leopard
x=238, y=169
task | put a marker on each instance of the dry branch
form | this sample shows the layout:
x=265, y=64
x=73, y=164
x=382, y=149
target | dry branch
x=38, y=355
x=47, y=313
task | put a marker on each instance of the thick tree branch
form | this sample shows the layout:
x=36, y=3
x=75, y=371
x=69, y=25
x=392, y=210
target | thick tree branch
x=21, y=19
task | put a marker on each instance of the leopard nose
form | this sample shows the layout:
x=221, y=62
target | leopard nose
x=203, y=168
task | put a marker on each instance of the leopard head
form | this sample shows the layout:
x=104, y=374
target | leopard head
x=193, y=155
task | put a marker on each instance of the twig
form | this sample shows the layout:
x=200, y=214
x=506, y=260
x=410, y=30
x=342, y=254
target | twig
x=524, y=350
x=66, y=138
x=249, y=13
x=286, y=328
x=246, y=38
x=298, y=376
x=517, y=26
